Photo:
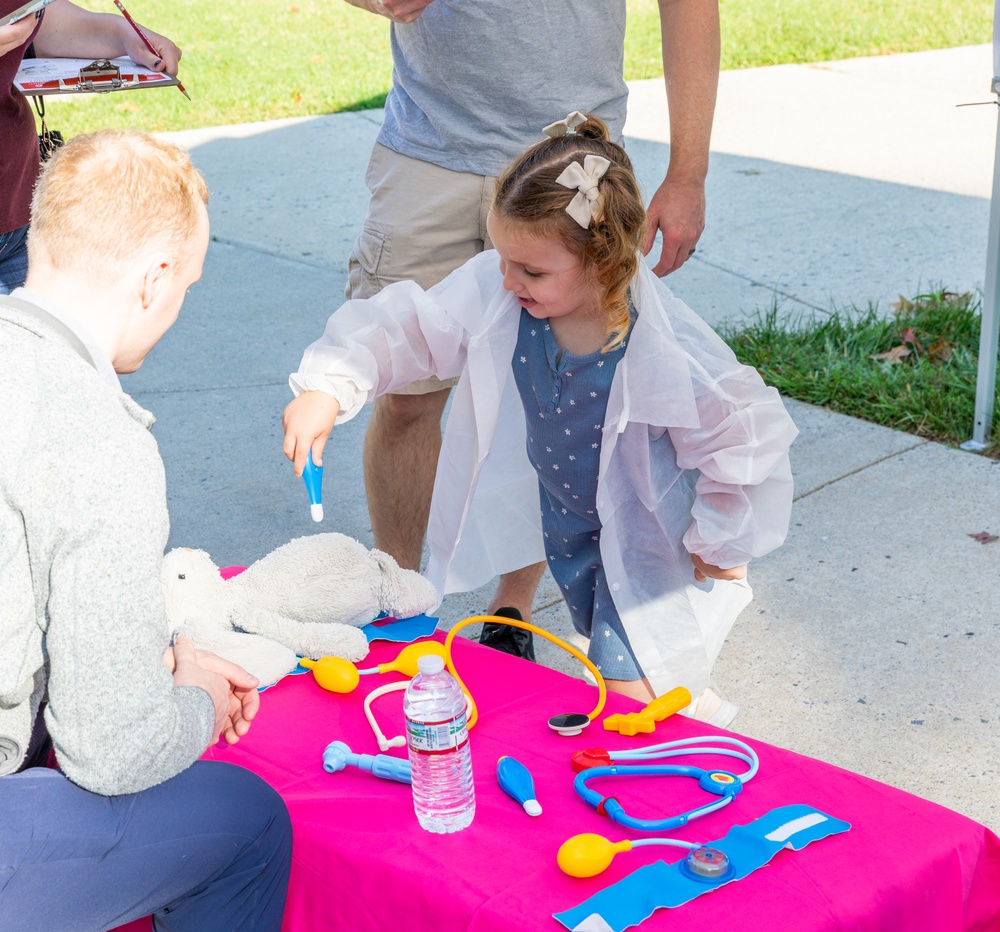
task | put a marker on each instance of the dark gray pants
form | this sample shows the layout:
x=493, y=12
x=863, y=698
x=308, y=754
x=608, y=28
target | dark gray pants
x=207, y=851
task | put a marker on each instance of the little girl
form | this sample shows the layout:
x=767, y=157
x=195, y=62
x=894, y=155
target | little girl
x=661, y=463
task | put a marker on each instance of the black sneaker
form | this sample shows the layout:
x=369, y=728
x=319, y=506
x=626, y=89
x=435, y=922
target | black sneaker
x=507, y=638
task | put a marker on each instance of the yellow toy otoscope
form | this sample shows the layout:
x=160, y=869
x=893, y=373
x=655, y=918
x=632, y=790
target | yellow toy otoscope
x=644, y=721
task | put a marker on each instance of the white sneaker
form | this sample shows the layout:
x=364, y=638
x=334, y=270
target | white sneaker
x=711, y=708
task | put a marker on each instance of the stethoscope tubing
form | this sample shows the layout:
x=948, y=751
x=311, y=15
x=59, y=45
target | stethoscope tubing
x=682, y=747
x=633, y=763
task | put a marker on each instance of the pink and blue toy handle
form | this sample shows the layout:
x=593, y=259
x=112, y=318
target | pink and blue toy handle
x=312, y=475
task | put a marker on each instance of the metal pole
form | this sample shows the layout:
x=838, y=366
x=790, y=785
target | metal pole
x=989, y=334
x=986, y=375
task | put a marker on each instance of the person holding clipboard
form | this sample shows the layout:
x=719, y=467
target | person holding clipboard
x=57, y=29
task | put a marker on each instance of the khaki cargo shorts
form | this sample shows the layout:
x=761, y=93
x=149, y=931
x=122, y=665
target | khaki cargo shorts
x=423, y=222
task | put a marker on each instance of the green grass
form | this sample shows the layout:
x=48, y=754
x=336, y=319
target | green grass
x=929, y=391
x=773, y=32
x=265, y=59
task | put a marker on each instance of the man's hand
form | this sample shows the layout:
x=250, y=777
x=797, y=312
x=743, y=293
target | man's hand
x=703, y=570
x=233, y=690
x=689, y=35
x=307, y=423
x=399, y=11
x=677, y=211
x=13, y=36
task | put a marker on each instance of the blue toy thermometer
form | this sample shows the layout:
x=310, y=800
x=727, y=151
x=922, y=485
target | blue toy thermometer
x=312, y=475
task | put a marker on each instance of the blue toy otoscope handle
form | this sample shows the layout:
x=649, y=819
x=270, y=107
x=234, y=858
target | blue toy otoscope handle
x=312, y=475
x=338, y=755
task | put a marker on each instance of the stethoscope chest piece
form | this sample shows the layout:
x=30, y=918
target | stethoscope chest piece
x=572, y=723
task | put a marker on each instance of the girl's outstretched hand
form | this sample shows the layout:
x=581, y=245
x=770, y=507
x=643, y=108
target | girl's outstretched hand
x=703, y=570
x=307, y=423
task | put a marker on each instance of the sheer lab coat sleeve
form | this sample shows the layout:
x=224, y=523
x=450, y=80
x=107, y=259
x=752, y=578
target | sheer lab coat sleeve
x=484, y=511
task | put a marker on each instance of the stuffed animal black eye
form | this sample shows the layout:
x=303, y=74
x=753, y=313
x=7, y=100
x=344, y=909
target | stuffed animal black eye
x=181, y=576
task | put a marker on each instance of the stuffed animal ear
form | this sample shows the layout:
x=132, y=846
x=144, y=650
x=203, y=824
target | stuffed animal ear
x=402, y=593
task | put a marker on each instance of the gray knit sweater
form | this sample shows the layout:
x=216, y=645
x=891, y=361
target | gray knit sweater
x=83, y=524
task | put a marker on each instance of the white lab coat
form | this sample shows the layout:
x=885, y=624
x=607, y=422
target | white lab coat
x=694, y=455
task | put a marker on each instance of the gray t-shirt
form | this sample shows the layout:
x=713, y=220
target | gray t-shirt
x=474, y=81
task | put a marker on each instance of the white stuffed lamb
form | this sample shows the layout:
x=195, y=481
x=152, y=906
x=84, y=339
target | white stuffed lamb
x=303, y=599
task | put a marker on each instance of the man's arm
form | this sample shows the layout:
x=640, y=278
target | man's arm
x=690, y=37
x=399, y=11
x=69, y=31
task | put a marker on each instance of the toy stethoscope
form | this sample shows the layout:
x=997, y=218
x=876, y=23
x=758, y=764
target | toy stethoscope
x=721, y=783
x=566, y=724
x=587, y=855
x=341, y=676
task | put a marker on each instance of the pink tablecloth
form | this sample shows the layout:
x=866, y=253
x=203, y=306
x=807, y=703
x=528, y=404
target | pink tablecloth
x=362, y=863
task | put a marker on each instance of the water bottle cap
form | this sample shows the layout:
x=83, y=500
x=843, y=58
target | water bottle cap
x=430, y=663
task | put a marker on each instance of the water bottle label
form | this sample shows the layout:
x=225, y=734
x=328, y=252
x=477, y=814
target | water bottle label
x=430, y=738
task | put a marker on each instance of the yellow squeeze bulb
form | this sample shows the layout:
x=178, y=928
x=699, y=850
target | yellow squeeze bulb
x=644, y=721
x=587, y=855
x=333, y=673
x=406, y=659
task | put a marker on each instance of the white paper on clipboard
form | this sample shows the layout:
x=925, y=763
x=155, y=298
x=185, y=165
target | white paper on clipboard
x=43, y=76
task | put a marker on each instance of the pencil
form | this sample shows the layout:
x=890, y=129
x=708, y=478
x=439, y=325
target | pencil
x=145, y=41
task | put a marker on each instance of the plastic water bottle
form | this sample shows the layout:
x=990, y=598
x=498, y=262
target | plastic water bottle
x=438, y=742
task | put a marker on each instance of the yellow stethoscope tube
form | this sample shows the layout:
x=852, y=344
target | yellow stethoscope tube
x=526, y=626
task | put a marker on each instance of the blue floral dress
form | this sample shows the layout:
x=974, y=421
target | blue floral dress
x=565, y=398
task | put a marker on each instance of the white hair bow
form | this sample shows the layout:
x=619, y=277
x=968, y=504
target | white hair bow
x=562, y=127
x=586, y=203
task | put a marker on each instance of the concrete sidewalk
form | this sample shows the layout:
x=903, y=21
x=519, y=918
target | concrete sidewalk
x=871, y=640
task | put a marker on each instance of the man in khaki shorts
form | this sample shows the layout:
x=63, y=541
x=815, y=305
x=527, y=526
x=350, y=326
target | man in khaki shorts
x=474, y=82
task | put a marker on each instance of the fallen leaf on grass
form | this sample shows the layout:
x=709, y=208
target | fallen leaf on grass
x=940, y=351
x=910, y=337
x=902, y=306
x=896, y=354
x=954, y=299
x=985, y=537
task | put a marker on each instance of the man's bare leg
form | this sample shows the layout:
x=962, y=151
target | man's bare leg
x=402, y=444
x=517, y=590
x=401, y=450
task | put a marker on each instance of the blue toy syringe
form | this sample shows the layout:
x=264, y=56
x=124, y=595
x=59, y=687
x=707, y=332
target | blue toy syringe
x=338, y=755
x=313, y=477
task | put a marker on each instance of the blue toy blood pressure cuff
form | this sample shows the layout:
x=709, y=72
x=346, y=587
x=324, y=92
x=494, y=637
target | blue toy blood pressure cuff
x=747, y=847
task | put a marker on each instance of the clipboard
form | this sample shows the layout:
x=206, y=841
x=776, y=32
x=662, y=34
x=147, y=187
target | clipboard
x=43, y=76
